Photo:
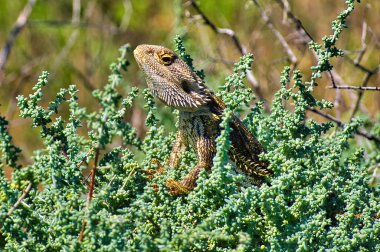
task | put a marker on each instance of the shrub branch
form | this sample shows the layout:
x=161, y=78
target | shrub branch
x=19, y=200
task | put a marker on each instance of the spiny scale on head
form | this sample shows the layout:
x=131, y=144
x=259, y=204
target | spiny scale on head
x=170, y=79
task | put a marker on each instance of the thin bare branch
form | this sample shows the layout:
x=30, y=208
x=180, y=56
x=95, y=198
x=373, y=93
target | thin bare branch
x=341, y=124
x=83, y=24
x=360, y=66
x=90, y=193
x=89, y=152
x=299, y=26
x=363, y=38
x=251, y=78
x=332, y=79
x=128, y=9
x=334, y=76
x=75, y=18
x=360, y=95
x=358, y=88
x=18, y=202
x=17, y=27
x=279, y=36
x=218, y=30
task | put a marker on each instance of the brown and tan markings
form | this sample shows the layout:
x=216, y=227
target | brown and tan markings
x=175, y=84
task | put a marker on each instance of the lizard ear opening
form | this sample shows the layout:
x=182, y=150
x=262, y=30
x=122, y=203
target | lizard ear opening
x=195, y=91
x=186, y=87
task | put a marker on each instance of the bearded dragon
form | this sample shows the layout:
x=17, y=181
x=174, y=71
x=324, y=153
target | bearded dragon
x=173, y=82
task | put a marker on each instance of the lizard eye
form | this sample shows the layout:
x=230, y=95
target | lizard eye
x=167, y=59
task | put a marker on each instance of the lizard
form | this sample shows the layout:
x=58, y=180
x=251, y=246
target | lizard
x=173, y=82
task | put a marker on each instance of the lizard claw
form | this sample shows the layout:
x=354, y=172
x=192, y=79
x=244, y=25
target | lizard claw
x=176, y=188
x=152, y=172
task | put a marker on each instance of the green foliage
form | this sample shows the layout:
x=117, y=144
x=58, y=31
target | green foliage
x=318, y=199
x=9, y=152
x=240, y=95
x=180, y=48
x=329, y=50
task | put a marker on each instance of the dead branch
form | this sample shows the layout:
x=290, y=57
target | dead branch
x=372, y=88
x=304, y=33
x=279, y=36
x=17, y=27
x=251, y=78
x=218, y=30
x=360, y=95
x=90, y=193
x=341, y=124
x=299, y=26
x=18, y=202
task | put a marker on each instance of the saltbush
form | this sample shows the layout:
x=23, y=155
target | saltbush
x=318, y=199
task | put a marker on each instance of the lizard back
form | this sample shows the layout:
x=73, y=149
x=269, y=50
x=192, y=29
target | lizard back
x=245, y=149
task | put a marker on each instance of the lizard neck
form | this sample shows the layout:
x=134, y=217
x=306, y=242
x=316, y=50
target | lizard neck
x=205, y=110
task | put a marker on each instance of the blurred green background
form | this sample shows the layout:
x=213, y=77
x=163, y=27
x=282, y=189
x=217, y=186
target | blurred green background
x=76, y=41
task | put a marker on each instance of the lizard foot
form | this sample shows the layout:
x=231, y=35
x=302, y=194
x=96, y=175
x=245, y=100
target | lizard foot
x=151, y=173
x=176, y=188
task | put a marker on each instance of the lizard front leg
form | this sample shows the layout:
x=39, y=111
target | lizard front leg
x=174, y=158
x=205, y=150
x=178, y=148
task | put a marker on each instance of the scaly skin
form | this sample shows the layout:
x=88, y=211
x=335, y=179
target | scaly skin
x=173, y=82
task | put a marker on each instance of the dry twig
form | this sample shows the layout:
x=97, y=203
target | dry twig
x=279, y=36
x=360, y=94
x=341, y=124
x=372, y=88
x=251, y=78
x=334, y=76
x=17, y=27
x=90, y=193
x=18, y=202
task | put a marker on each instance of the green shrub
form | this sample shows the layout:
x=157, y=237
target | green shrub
x=318, y=198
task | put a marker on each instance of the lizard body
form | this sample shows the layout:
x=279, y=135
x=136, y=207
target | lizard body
x=175, y=84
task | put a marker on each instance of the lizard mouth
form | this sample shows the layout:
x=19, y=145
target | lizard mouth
x=137, y=53
x=142, y=53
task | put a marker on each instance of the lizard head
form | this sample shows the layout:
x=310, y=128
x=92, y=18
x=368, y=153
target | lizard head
x=170, y=79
